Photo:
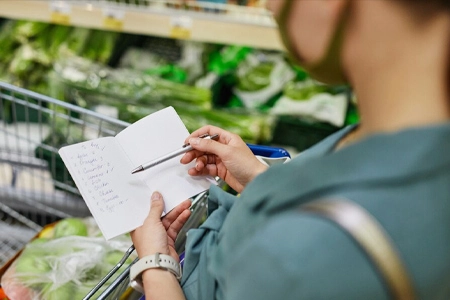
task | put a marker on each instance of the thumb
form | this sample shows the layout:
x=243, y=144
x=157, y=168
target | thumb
x=156, y=206
x=208, y=145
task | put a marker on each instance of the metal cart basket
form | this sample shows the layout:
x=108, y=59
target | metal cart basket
x=35, y=187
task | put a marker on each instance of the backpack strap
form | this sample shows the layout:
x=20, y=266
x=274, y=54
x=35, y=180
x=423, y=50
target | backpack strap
x=372, y=238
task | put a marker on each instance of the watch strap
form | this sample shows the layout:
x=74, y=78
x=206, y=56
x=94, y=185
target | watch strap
x=155, y=261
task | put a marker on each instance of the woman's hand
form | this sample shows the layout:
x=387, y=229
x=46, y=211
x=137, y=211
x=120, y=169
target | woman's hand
x=228, y=157
x=158, y=235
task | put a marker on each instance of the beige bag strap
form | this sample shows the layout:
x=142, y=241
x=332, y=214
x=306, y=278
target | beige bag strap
x=371, y=236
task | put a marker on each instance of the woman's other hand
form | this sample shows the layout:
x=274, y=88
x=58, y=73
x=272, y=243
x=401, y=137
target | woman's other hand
x=159, y=235
x=229, y=157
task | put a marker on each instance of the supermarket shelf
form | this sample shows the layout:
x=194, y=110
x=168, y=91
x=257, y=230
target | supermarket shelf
x=198, y=21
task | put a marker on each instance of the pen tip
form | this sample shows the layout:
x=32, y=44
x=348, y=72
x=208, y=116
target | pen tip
x=138, y=169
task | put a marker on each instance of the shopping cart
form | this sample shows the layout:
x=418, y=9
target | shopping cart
x=36, y=188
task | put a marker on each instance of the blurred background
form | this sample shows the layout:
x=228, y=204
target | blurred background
x=216, y=62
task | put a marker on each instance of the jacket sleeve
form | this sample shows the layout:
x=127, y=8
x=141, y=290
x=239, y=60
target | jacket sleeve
x=300, y=256
x=196, y=282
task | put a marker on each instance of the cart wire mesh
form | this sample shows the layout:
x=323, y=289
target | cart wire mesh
x=35, y=187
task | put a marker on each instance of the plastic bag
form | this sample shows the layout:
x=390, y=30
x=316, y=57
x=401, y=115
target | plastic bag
x=261, y=77
x=63, y=268
x=311, y=100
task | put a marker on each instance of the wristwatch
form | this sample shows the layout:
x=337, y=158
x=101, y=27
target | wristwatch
x=155, y=261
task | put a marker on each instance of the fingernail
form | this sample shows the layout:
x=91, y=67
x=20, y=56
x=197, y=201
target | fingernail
x=196, y=166
x=156, y=196
x=194, y=141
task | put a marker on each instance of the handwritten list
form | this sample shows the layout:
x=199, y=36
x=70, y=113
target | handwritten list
x=97, y=169
x=101, y=168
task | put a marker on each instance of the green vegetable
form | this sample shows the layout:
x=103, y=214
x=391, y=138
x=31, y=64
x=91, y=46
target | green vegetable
x=256, y=78
x=227, y=59
x=69, y=227
x=101, y=84
x=25, y=30
x=304, y=90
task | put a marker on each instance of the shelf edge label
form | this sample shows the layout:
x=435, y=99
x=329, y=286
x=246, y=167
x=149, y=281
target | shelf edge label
x=60, y=12
x=180, y=27
x=113, y=18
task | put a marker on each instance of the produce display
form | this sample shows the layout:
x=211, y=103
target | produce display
x=28, y=50
x=314, y=102
x=102, y=84
x=65, y=261
x=261, y=78
x=244, y=90
x=135, y=95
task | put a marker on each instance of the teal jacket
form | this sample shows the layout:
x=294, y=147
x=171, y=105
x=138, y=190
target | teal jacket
x=259, y=246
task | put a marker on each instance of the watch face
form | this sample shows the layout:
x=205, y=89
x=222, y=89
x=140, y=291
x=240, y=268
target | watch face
x=137, y=286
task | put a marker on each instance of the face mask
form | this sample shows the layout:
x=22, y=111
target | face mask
x=329, y=68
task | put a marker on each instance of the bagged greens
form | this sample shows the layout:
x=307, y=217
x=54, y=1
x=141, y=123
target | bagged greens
x=102, y=84
x=260, y=78
x=60, y=265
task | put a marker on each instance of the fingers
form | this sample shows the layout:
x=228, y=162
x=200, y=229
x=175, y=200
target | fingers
x=176, y=226
x=209, y=146
x=208, y=129
x=201, y=169
x=201, y=145
x=156, y=206
x=190, y=156
x=175, y=213
x=205, y=160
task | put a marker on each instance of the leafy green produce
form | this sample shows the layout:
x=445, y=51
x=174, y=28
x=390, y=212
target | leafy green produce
x=7, y=42
x=304, y=90
x=63, y=292
x=66, y=267
x=114, y=86
x=227, y=59
x=256, y=78
x=25, y=30
x=99, y=46
x=28, y=50
x=70, y=226
x=76, y=42
x=56, y=37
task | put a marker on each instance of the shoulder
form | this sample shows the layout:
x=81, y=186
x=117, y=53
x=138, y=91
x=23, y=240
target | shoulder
x=300, y=256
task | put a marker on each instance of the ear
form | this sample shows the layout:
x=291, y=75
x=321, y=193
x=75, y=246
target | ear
x=311, y=26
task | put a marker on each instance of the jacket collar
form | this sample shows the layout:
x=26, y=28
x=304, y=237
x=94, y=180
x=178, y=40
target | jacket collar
x=379, y=159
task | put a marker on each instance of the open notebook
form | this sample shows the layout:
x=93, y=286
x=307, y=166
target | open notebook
x=101, y=168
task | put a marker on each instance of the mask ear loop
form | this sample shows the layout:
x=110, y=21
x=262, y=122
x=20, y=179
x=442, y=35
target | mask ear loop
x=329, y=69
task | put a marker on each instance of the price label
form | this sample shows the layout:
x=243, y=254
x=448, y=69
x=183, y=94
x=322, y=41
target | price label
x=60, y=12
x=113, y=19
x=180, y=27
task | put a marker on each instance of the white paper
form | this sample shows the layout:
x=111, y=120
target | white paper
x=118, y=200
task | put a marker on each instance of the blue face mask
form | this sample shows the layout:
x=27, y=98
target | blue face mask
x=329, y=69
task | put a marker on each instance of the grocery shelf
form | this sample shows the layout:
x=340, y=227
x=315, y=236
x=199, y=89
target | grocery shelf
x=198, y=21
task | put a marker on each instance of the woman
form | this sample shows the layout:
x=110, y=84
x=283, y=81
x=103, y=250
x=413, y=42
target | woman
x=395, y=165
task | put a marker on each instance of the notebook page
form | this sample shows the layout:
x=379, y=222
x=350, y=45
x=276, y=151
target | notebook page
x=156, y=135
x=100, y=170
